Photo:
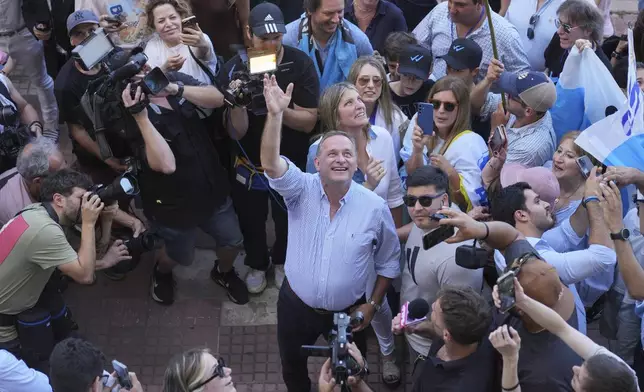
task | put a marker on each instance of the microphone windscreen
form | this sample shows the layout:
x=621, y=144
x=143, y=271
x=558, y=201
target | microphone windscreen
x=418, y=309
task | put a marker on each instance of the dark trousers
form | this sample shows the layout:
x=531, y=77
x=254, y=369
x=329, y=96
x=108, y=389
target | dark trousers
x=638, y=364
x=298, y=324
x=252, y=212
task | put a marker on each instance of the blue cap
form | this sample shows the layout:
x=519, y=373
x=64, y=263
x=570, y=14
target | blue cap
x=80, y=17
x=534, y=88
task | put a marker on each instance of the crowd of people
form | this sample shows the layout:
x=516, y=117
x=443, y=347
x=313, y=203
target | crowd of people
x=402, y=153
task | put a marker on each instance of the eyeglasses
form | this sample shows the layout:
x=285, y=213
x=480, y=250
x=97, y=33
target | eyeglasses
x=533, y=23
x=516, y=99
x=219, y=372
x=425, y=200
x=448, y=106
x=363, y=81
x=567, y=28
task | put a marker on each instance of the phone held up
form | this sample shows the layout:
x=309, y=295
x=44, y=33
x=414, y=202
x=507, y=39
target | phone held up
x=122, y=375
x=425, y=119
x=505, y=287
x=499, y=138
x=585, y=165
x=190, y=21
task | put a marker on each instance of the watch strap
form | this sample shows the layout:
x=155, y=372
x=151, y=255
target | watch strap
x=374, y=304
x=180, y=90
x=620, y=235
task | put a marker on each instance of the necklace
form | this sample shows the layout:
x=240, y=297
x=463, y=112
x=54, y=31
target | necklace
x=559, y=202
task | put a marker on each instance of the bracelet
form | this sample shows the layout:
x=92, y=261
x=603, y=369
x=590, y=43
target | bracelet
x=510, y=389
x=588, y=199
x=487, y=232
x=36, y=123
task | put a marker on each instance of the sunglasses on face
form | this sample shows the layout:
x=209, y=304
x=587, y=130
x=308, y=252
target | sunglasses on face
x=363, y=81
x=219, y=372
x=567, y=28
x=533, y=22
x=425, y=200
x=448, y=106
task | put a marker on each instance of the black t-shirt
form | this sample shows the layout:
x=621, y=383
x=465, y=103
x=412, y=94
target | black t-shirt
x=409, y=104
x=199, y=184
x=476, y=372
x=297, y=68
x=556, y=57
x=69, y=87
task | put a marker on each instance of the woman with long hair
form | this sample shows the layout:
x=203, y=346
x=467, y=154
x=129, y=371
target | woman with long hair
x=452, y=146
x=370, y=78
x=197, y=370
x=175, y=48
x=341, y=109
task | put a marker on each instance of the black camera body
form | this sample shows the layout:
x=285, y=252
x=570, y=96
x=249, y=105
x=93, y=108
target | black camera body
x=250, y=93
x=471, y=257
x=342, y=363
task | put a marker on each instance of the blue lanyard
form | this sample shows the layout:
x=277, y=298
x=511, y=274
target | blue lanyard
x=372, y=118
x=543, y=8
x=471, y=29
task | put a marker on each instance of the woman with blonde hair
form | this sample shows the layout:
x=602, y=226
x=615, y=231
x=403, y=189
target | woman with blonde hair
x=452, y=146
x=341, y=109
x=197, y=370
x=370, y=78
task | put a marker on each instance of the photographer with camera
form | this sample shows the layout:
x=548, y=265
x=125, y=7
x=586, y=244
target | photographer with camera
x=71, y=84
x=32, y=246
x=339, y=231
x=77, y=366
x=250, y=190
x=19, y=122
x=182, y=183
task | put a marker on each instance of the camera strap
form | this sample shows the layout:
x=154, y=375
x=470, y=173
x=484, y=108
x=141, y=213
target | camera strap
x=47, y=206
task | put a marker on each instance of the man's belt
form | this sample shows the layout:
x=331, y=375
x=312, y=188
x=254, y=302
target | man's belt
x=12, y=32
x=348, y=310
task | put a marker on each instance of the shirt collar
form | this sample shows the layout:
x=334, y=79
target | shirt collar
x=372, y=134
x=347, y=196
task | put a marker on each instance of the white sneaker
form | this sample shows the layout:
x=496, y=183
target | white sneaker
x=279, y=276
x=255, y=281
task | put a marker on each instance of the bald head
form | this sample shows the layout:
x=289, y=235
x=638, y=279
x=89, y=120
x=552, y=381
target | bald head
x=39, y=158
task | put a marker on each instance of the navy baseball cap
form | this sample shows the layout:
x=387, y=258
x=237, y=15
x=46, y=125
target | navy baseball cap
x=534, y=88
x=266, y=18
x=80, y=17
x=464, y=53
x=416, y=60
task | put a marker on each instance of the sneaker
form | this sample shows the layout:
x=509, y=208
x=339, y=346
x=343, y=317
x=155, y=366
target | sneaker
x=255, y=281
x=390, y=372
x=279, y=276
x=237, y=291
x=162, y=287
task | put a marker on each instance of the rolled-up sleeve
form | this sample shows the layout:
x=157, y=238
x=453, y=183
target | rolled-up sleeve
x=292, y=184
x=387, y=253
x=576, y=266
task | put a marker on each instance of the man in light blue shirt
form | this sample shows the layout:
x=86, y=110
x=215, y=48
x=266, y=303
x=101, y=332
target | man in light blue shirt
x=16, y=376
x=339, y=232
x=332, y=42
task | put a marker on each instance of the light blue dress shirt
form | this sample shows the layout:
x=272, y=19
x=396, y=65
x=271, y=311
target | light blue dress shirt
x=16, y=376
x=328, y=260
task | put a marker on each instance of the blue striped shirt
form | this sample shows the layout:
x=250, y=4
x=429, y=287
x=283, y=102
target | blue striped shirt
x=328, y=261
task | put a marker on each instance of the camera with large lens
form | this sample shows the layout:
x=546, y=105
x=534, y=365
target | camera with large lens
x=13, y=136
x=342, y=363
x=147, y=241
x=123, y=186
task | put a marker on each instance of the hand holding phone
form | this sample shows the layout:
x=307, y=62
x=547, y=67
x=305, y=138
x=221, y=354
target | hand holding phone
x=122, y=375
x=190, y=21
x=425, y=119
x=585, y=165
x=498, y=139
x=505, y=287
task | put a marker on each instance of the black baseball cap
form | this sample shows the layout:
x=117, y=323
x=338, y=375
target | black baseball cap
x=416, y=60
x=266, y=18
x=464, y=54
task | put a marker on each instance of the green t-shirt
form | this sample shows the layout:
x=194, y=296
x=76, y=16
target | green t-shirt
x=33, y=245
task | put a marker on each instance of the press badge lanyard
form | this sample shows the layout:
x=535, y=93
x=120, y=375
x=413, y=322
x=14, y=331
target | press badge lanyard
x=471, y=29
x=372, y=118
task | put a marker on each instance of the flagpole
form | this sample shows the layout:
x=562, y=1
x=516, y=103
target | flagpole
x=495, y=52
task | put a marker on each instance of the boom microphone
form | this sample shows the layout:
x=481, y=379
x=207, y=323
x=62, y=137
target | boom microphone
x=418, y=308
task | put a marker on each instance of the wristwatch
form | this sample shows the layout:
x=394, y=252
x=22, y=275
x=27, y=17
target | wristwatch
x=179, y=93
x=622, y=235
x=375, y=305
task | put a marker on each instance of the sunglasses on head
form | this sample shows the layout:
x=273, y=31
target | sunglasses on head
x=567, y=28
x=425, y=200
x=448, y=106
x=219, y=372
x=533, y=22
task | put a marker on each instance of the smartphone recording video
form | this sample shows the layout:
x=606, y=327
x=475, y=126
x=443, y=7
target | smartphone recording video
x=122, y=374
x=505, y=287
x=261, y=62
x=585, y=165
x=155, y=81
x=498, y=138
x=190, y=21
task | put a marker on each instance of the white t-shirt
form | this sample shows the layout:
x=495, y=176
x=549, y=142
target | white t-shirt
x=398, y=118
x=158, y=53
x=467, y=153
x=16, y=376
x=519, y=14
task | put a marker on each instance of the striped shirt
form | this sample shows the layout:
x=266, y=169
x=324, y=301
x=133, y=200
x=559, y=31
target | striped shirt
x=531, y=145
x=437, y=32
x=328, y=260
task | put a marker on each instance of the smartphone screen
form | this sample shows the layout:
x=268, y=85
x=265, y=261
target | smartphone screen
x=585, y=165
x=505, y=285
x=122, y=374
x=155, y=81
x=426, y=117
x=263, y=63
x=498, y=139
x=189, y=21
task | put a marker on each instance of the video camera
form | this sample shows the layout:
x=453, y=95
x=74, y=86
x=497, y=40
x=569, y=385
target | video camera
x=13, y=136
x=342, y=363
x=250, y=93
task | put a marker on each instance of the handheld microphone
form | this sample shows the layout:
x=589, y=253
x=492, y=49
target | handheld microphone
x=414, y=312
